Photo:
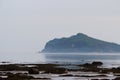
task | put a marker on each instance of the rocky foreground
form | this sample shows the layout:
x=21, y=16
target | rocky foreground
x=88, y=71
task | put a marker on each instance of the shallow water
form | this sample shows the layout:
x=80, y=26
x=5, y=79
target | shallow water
x=109, y=59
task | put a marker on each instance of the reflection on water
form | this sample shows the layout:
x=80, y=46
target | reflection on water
x=109, y=59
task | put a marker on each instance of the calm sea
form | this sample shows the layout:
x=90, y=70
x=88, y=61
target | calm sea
x=109, y=59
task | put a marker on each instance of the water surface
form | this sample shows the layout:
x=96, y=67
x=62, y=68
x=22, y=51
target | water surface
x=109, y=59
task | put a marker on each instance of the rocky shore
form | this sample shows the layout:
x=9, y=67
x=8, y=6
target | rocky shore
x=87, y=71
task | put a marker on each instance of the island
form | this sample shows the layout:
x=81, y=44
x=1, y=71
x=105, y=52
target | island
x=80, y=43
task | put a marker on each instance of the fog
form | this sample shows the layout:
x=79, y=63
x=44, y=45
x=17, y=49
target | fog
x=26, y=25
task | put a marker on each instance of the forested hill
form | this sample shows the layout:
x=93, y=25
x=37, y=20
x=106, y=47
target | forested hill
x=80, y=43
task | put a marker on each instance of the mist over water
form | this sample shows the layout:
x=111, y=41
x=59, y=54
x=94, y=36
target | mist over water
x=109, y=59
x=22, y=58
x=26, y=25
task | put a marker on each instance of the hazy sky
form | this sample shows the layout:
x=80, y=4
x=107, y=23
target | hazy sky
x=26, y=25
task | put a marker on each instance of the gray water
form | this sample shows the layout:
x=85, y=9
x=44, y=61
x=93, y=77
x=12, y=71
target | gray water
x=24, y=57
x=109, y=59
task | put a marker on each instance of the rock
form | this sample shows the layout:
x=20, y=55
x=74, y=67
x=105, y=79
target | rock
x=33, y=71
x=96, y=63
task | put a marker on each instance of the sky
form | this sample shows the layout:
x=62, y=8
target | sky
x=26, y=25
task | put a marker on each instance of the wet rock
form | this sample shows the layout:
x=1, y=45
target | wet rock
x=33, y=71
x=118, y=78
x=97, y=63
